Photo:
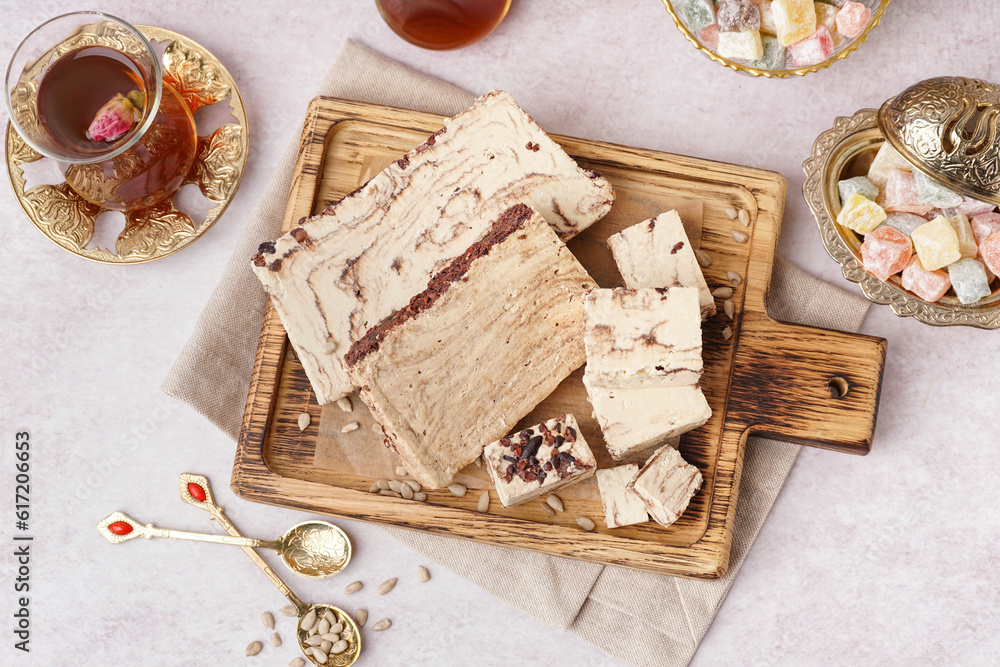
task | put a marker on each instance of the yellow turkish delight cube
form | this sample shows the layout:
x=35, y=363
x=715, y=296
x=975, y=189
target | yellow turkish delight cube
x=745, y=45
x=966, y=239
x=936, y=244
x=794, y=20
x=861, y=214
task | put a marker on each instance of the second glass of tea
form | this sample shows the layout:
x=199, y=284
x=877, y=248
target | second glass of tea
x=86, y=90
x=443, y=24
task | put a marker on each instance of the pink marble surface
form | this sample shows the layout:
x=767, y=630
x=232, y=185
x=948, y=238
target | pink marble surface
x=888, y=559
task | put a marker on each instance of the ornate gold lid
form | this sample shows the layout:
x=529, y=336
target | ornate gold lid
x=948, y=127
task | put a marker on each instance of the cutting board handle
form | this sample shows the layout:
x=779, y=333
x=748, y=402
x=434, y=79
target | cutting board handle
x=807, y=385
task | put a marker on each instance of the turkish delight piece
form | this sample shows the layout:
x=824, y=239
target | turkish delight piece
x=794, y=20
x=538, y=460
x=973, y=207
x=737, y=16
x=740, y=45
x=494, y=332
x=928, y=285
x=826, y=15
x=658, y=253
x=646, y=337
x=904, y=222
x=852, y=19
x=774, y=54
x=812, y=50
x=709, y=36
x=636, y=419
x=699, y=13
x=936, y=244
x=857, y=185
x=901, y=194
x=985, y=225
x=767, y=25
x=622, y=507
x=338, y=274
x=933, y=193
x=886, y=251
x=968, y=279
x=990, y=251
x=666, y=484
x=860, y=214
x=966, y=238
x=886, y=159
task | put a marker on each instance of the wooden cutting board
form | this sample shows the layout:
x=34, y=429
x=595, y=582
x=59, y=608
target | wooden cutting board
x=789, y=382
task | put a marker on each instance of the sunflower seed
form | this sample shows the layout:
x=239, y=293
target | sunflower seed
x=734, y=278
x=304, y=421
x=382, y=625
x=730, y=309
x=704, y=259
x=423, y=574
x=344, y=404
x=401, y=471
x=308, y=621
x=383, y=484
x=325, y=646
x=323, y=627
x=484, y=502
x=374, y=487
x=740, y=237
x=384, y=492
x=336, y=629
x=268, y=620
x=585, y=523
x=320, y=656
x=744, y=216
x=353, y=587
x=331, y=637
x=275, y=640
x=353, y=426
x=548, y=510
x=315, y=640
x=457, y=489
x=731, y=213
x=298, y=662
x=288, y=610
x=413, y=484
x=330, y=617
x=387, y=586
x=361, y=617
x=254, y=648
x=406, y=491
x=339, y=647
x=555, y=502
x=727, y=333
x=420, y=496
x=395, y=485
x=723, y=292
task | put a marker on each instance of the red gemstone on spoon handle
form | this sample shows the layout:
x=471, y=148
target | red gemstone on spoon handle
x=196, y=491
x=120, y=528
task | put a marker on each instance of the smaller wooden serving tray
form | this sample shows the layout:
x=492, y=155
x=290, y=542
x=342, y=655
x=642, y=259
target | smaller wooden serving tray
x=768, y=378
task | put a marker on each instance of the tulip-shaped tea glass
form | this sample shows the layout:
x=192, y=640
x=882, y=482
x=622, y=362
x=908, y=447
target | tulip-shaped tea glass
x=86, y=90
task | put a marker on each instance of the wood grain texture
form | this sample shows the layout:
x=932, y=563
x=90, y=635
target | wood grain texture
x=770, y=377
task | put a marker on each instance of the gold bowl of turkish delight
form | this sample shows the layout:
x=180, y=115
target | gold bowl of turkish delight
x=776, y=38
x=906, y=200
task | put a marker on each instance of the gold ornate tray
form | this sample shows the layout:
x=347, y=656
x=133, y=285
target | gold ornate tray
x=152, y=233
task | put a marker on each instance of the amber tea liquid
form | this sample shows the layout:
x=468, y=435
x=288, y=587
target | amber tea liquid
x=72, y=91
x=443, y=24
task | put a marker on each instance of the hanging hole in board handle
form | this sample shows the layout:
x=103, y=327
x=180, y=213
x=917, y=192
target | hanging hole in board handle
x=838, y=387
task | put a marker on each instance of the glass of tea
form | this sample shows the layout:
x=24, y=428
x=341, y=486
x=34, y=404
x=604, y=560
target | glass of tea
x=86, y=90
x=443, y=24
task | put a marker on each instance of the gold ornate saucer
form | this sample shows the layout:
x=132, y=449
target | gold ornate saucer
x=152, y=233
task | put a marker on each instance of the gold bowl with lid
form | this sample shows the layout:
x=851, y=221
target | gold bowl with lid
x=946, y=127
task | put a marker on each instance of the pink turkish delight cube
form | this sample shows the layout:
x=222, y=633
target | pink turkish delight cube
x=989, y=250
x=709, y=36
x=984, y=225
x=928, y=285
x=901, y=194
x=973, y=207
x=886, y=251
x=814, y=49
x=852, y=19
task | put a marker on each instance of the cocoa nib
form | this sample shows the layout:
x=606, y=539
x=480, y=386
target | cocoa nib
x=524, y=435
x=531, y=448
x=677, y=246
x=570, y=434
x=505, y=442
x=275, y=265
x=266, y=246
x=560, y=441
x=299, y=235
x=532, y=147
x=403, y=162
x=258, y=260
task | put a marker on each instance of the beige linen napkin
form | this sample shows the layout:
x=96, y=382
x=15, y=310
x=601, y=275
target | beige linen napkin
x=645, y=619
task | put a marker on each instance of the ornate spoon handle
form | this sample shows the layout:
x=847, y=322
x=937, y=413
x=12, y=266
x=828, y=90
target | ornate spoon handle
x=119, y=527
x=195, y=490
